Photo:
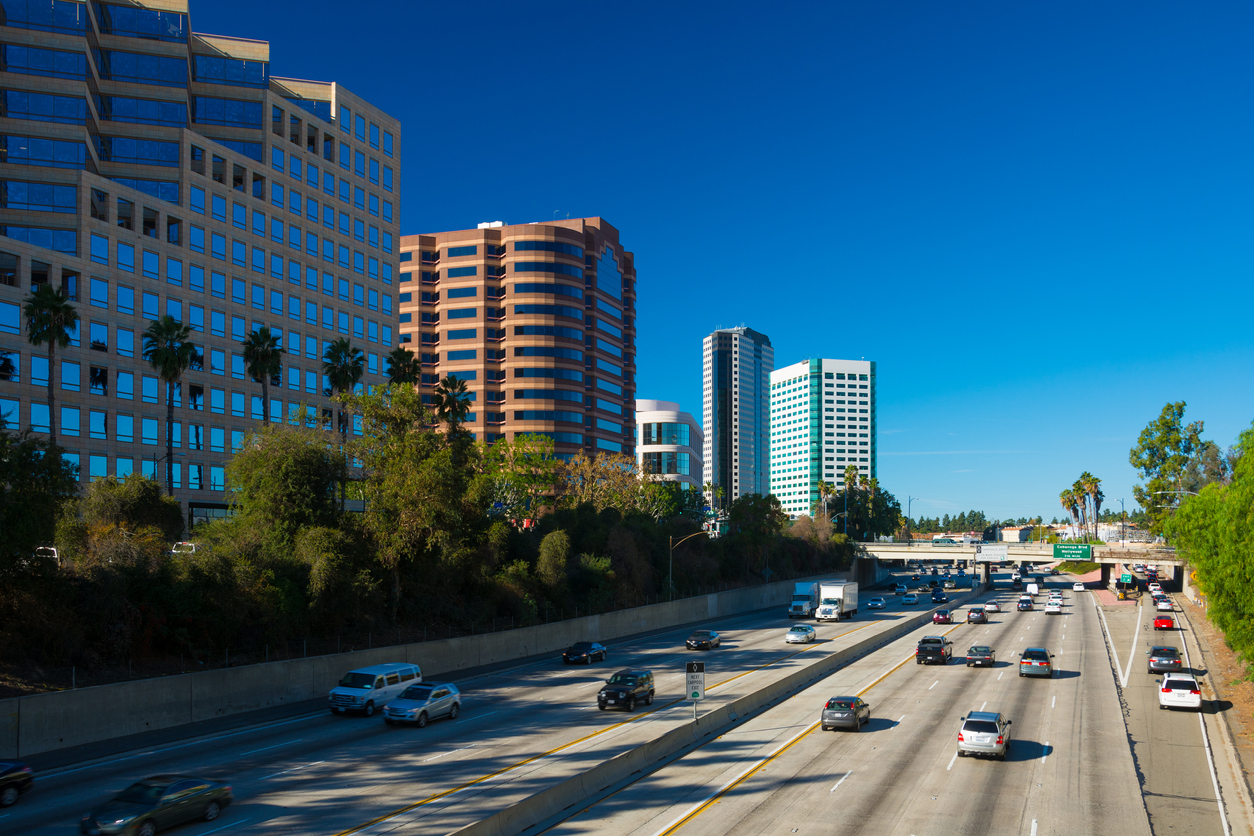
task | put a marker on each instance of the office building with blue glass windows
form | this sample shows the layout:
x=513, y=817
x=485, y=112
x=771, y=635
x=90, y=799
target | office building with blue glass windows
x=736, y=369
x=148, y=169
x=823, y=422
x=538, y=319
x=670, y=444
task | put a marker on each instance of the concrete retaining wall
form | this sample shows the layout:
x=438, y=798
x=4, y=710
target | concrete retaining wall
x=582, y=788
x=46, y=722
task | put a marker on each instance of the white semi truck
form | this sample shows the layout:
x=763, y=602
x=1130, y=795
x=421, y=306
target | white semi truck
x=805, y=600
x=837, y=600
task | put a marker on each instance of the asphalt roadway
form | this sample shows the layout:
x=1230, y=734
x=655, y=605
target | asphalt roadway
x=521, y=729
x=1069, y=769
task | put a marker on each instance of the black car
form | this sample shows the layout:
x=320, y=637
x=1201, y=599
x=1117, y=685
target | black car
x=932, y=583
x=15, y=779
x=1025, y=604
x=914, y=578
x=626, y=688
x=157, y=803
x=703, y=640
x=586, y=652
x=939, y=596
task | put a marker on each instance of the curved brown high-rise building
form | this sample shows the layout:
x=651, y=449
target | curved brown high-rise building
x=537, y=319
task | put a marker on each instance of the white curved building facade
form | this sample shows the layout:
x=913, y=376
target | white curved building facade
x=669, y=443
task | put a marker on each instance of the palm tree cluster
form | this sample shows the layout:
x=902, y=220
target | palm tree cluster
x=1083, y=502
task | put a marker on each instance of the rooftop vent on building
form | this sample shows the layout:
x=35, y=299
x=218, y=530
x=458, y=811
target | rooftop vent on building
x=491, y=224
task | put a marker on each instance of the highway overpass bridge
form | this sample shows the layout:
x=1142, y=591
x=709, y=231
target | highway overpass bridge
x=1107, y=557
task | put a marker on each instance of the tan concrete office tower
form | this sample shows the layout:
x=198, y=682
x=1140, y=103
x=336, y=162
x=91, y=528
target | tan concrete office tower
x=147, y=170
x=538, y=319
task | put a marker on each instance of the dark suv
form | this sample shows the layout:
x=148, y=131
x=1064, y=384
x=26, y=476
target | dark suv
x=626, y=688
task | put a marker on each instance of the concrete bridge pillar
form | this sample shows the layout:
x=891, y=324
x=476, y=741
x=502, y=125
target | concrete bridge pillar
x=1105, y=575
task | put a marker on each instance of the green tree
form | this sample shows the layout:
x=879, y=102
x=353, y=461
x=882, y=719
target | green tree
x=50, y=320
x=342, y=364
x=522, y=472
x=264, y=359
x=452, y=402
x=552, y=565
x=1215, y=531
x=169, y=350
x=606, y=480
x=1161, y=456
x=35, y=483
x=403, y=367
x=755, y=521
x=132, y=504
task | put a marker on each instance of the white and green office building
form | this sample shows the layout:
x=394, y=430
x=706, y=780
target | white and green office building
x=822, y=421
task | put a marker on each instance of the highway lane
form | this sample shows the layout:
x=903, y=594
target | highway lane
x=521, y=729
x=1068, y=770
x=1179, y=781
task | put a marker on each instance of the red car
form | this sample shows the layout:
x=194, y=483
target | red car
x=942, y=617
x=1164, y=622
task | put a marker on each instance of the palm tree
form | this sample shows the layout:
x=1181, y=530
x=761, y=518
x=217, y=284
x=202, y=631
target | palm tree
x=168, y=347
x=826, y=489
x=1081, y=498
x=50, y=318
x=403, y=366
x=452, y=402
x=342, y=364
x=1093, y=492
x=264, y=359
x=1068, y=500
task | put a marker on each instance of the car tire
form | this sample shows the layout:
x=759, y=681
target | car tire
x=601, y=706
x=212, y=809
x=389, y=721
x=631, y=703
x=1002, y=757
x=8, y=796
x=370, y=708
x=334, y=712
x=422, y=720
x=1021, y=674
x=826, y=728
x=649, y=699
x=1161, y=707
x=454, y=711
x=148, y=828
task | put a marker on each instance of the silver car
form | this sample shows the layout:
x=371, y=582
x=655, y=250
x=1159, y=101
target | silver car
x=419, y=703
x=845, y=712
x=984, y=733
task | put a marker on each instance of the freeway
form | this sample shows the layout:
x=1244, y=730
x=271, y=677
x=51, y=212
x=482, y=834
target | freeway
x=1069, y=769
x=522, y=729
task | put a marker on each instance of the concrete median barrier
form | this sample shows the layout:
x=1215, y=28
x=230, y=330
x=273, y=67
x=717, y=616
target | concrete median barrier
x=549, y=804
x=46, y=722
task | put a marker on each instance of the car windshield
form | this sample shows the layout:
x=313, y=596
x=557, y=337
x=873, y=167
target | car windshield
x=357, y=680
x=142, y=793
x=840, y=705
x=580, y=647
x=627, y=679
x=980, y=650
x=931, y=642
x=980, y=727
x=416, y=692
x=701, y=634
x=800, y=628
x=1036, y=655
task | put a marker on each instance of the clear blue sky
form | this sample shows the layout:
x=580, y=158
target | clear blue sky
x=1035, y=217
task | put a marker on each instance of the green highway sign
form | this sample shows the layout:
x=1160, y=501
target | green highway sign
x=1125, y=578
x=1073, y=551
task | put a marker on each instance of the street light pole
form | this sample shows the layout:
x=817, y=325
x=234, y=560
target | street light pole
x=1123, y=526
x=670, y=572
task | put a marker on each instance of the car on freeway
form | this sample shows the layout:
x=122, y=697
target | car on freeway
x=156, y=803
x=845, y=712
x=16, y=779
x=1163, y=659
x=1164, y=605
x=1025, y=604
x=419, y=703
x=1164, y=622
x=914, y=578
x=1015, y=576
x=949, y=584
x=933, y=649
x=933, y=570
x=1053, y=607
x=1078, y=587
x=626, y=688
x=939, y=596
x=984, y=733
x=1137, y=567
x=1155, y=587
x=981, y=655
x=976, y=615
x=1016, y=584
x=1179, y=690
x=900, y=589
x=909, y=600
x=876, y=604
x=942, y=617
x=992, y=606
x=703, y=640
x=1053, y=570
x=800, y=634
x=1035, y=661
x=586, y=652
x=933, y=583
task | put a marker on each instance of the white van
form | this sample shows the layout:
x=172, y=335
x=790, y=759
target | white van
x=366, y=689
